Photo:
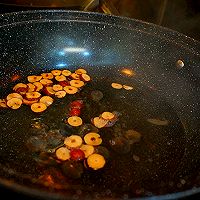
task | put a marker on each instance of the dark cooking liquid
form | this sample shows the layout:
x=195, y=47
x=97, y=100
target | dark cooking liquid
x=160, y=149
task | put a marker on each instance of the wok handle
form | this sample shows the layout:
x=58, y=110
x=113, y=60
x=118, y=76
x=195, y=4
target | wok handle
x=90, y=5
x=107, y=7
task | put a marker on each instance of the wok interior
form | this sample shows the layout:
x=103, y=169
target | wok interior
x=109, y=53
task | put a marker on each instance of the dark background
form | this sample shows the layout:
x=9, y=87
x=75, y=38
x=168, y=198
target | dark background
x=180, y=15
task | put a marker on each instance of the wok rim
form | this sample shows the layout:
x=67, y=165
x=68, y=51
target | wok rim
x=15, y=187
x=170, y=34
x=123, y=18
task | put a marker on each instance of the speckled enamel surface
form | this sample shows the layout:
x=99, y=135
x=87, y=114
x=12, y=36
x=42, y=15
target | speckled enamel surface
x=105, y=45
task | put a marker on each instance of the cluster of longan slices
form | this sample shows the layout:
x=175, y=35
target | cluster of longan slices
x=75, y=148
x=119, y=86
x=40, y=89
x=104, y=119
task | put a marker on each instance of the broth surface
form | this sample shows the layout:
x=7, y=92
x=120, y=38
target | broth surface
x=146, y=169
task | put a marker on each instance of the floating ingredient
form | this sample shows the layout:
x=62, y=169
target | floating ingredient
x=66, y=72
x=60, y=78
x=31, y=87
x=31, y=96
x=81, y=71
x=14, y=103
x=107, y=115
x=73, y=141
x=47, y=75
x=77, y=83
x=3, y=103
x=77, y=154
x=74, y=112
x=49, y=84
x=85, y=77
x=127, y=87
x=96, y=95
x=76, y=104
x=64, y=83
x=106, y=119
x=20, y=88
x=63, y=153
x=87, y=149
x=70, y=89
x=46, y=82
x=99, y=122
x=38, y=107
x=14, y=95
x=47, y=100
x=132, y=136
x=158, y=122
x=96, y=161
x=120, y=145
x=33, y=78
x=74, y=121
x=75, y=76
x=120, y=86
x=93, y=139
x=38, y=86
x=60, y=94
x=116, y=86
x=56, y=72
x=57, y=87
x=48, y=90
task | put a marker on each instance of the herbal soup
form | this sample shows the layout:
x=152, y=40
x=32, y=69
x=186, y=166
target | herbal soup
x=71, y=131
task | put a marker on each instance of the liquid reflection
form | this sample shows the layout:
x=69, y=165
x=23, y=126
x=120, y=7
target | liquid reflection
x=86, y=53
x=61, y=65
x=75, y=49
x=81, y=51
x=61, y=53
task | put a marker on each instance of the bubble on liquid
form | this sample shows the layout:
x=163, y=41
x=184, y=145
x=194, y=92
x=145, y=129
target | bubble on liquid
x=182, y=181
x=97, y=195
x=108, y=192
x=79, y=192
x=136, y=158
x=179, y=64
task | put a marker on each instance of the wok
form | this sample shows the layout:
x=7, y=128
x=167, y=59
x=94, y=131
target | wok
x=111, y=49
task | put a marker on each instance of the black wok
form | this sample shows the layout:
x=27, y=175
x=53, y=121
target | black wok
x=112, y=49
